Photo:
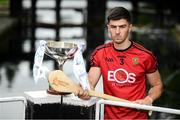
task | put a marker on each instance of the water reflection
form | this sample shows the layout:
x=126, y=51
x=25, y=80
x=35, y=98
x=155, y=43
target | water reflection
x=10, y=70
x=17, y=78
x=7, y=73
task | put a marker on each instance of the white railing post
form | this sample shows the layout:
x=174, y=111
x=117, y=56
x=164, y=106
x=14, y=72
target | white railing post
x=97, y=116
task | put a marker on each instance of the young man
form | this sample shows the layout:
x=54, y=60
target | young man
x=125, y=66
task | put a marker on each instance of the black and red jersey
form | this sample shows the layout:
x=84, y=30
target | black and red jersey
x=124, y=76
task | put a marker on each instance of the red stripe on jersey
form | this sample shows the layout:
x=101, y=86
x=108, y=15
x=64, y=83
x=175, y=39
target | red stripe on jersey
x=96, y=50
x=140, y=47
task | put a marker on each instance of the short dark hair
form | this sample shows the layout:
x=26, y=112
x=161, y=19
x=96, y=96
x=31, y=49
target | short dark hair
x=118, y=13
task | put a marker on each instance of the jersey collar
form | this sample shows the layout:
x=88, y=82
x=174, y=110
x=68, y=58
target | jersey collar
x=123, y=49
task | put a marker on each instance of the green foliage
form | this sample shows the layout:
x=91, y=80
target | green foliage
x=4, y=2
x=145, y=19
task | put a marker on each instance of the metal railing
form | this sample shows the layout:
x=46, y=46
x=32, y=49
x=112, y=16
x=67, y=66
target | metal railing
x=15, y=99
x=98, y=106
x=133, y=105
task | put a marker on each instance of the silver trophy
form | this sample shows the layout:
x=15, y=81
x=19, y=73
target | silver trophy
x=61, y=52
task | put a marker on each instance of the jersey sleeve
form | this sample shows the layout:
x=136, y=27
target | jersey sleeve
x=94, y=60
x=151, y=64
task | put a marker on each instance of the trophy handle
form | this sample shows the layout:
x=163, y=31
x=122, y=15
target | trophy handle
x=71, y=53
x=50, y=53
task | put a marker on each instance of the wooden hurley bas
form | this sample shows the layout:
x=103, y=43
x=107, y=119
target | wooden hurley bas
x=63, y=84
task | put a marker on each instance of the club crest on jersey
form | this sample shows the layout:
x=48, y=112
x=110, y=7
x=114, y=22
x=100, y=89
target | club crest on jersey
x=135, y=60
x=121, y=76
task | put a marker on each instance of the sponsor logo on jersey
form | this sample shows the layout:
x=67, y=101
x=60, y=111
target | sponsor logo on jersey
x=121, y=76
x=108, y=59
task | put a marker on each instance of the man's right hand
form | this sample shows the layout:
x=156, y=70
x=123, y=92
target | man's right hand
x=84, y=95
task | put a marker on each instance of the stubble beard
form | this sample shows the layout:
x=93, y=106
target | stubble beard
x=120, y=43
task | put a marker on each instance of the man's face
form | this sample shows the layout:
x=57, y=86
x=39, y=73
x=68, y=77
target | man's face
x=119, y=30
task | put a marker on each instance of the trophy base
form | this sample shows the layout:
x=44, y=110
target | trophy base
x=53, y=92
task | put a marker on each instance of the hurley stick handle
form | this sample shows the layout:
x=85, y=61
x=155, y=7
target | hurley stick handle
x=105, y=96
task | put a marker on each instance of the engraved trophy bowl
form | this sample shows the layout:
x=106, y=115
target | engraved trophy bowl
x=61, y=52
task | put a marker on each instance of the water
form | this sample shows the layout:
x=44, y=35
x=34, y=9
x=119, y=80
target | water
x=16, y=77
x=21, y=79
